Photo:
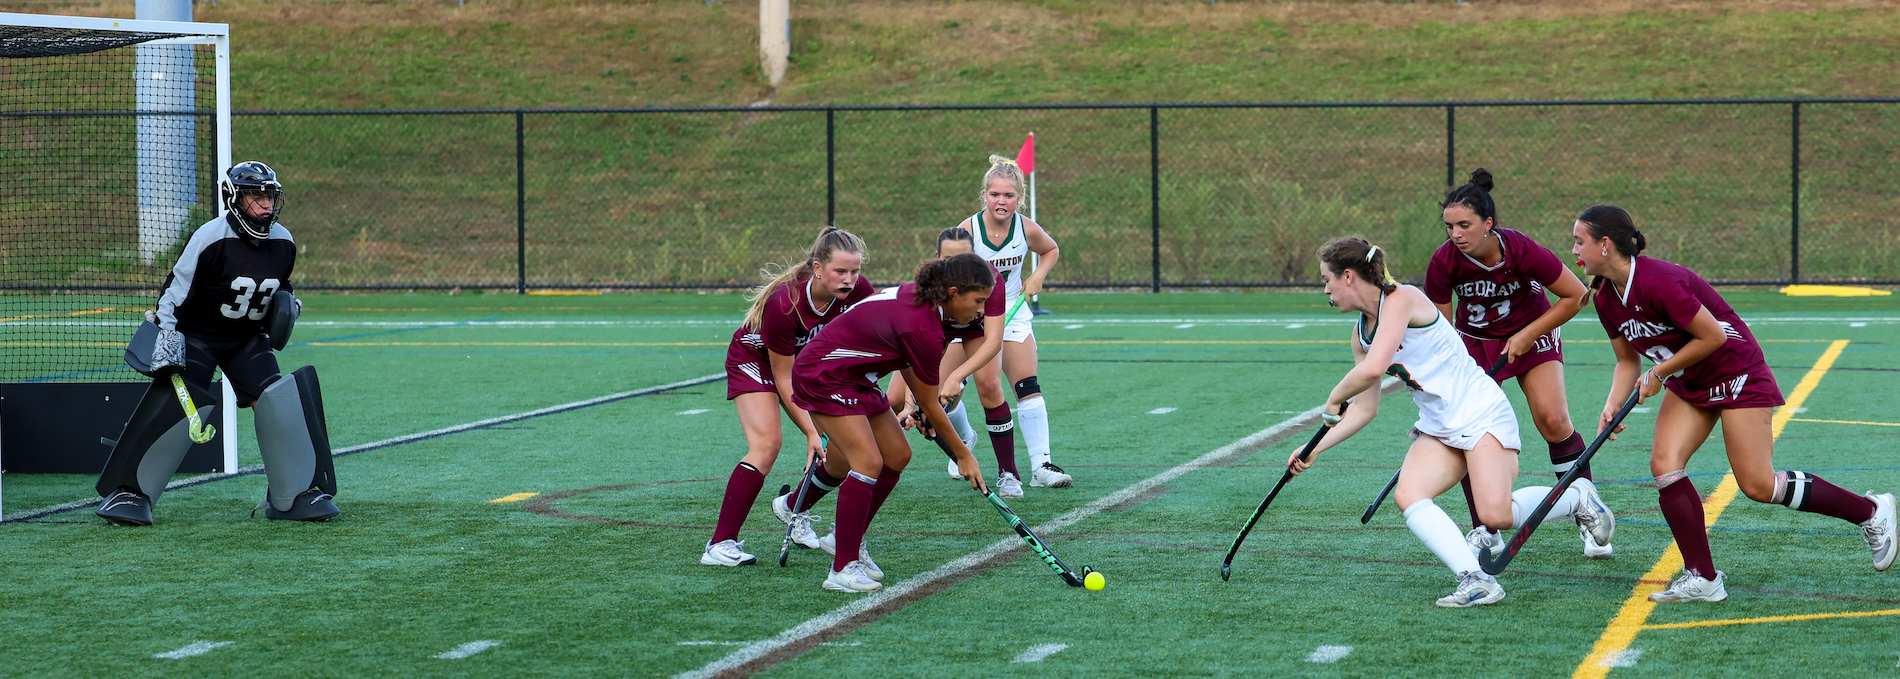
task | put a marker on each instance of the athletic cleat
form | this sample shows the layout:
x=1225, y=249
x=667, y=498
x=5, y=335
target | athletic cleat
x=130, y=508
x=1482, y=537
x=1879, y=530
x=782, y=508
x=1474, y=589
x=727, y=553
x=1049, y=476
x=802, y=534
x=830, y=544
x=953, y=471
x=1692, y=587
x=1008, y=486
x=852, y=579
x=1595, y=522
x=311, y=505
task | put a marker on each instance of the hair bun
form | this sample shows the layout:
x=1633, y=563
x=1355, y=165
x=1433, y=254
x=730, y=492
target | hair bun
x=1482, y=178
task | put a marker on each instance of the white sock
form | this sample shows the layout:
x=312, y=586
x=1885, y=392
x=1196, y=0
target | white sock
x=1524, y=501
x=960, y=419
x=1434, y=528
x=1034, y=419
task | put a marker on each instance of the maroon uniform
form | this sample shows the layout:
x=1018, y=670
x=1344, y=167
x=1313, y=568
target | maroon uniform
x=789, y=322
x=992, y=307
x=837, y=373
x=1652, y=311
x=1493, y=303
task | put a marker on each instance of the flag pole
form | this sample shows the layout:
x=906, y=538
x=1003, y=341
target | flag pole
x=1035, y=260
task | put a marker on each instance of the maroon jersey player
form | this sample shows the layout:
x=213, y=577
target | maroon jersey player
x=1491, y=281
x=1714, y=372
x=972, y=346
x=899, y=330
x=786, y=312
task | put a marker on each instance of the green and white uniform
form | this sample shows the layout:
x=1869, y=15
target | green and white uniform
x=1457, y=403
x=1010, y=257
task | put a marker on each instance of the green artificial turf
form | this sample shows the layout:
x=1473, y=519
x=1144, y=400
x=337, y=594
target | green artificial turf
x=605, y=579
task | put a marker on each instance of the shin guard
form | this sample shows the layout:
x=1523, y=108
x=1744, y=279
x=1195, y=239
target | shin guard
x=293, y=439
x=154, y=441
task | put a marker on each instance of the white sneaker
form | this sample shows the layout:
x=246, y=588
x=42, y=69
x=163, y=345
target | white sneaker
x=1008, y=486
x=830, y=544
x=727, y=553
x=1482, y=537
x=953, y=471
x=851, y=579
x=1692, y=587
x=1474, y=589
x=1049, y=476
x=1595, y=523
x=1879, y=530
x=782, y=508
x=802, y=534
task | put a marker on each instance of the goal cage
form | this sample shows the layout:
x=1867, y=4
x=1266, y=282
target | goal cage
x=112, y=135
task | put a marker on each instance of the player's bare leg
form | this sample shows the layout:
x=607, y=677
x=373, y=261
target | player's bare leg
x=1019, y=363
x=853, y=439
x=758, y=417
x=1430, y=469
x=1002, y=428
x=1748, y=434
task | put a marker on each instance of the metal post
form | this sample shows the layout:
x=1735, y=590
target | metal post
x=1154, y=189
x=831, y=176
x=1451, y=145
x=1794, y=190
x=521, y=207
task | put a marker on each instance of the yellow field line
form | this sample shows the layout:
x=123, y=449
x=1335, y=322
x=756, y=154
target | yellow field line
x=1621, y=631
x=1777, y=618
x=87, y=312
x=1877, y=424
x=517, y=497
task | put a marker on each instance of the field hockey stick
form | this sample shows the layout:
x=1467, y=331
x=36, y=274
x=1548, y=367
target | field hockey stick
x=200, y=432
x=804, y=484
x=1227, y=564
x=1389, y=485
x=1496, y=566
x=1068, y=575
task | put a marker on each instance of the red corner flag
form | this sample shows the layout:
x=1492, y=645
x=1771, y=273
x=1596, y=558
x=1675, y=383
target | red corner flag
x=1026, y=158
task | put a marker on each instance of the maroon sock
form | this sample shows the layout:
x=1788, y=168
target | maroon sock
x=886, y=482
x=1809, y=493
x=741, y=491
x=1682, y=509
x=1470, y=501
x=1002, y=437
x=825, y=483
x=1565, y=453
x=855, y=497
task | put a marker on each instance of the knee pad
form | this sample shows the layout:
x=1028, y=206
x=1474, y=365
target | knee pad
x=293, y=438
x=1027, y=386
x=154, y=441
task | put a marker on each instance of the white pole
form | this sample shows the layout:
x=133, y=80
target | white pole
x=1035, y=260
x=227, y=414
x=775, y=38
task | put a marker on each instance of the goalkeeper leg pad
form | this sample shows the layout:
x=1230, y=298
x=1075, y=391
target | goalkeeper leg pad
x=154, y=441
x=295, y=444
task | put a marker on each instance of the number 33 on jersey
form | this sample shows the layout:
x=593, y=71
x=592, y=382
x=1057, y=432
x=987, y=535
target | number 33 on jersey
x=221, y=287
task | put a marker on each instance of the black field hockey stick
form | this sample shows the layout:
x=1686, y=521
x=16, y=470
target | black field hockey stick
x=811, y=469
x=1389, y=485
x=1227, y=564
x=1496, y=566
x=1068, y=575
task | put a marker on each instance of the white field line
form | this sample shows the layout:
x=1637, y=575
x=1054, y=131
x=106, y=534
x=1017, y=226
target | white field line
x=1160, y=411
x=466, y=650
x=1624, y=658
x=822, y=623
x=1588, y=321
x=1072, y=326
x=399, y=440
x=743, y=643
x=1326, y=655
x=1184, y=326
x=1038, y=652
x=694, y=411
x=199, y=648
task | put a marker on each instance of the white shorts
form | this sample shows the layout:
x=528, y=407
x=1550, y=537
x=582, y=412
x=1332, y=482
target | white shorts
x=1019, y=329
x=1502, y=426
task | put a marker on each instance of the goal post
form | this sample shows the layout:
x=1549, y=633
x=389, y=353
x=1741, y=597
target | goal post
x=112, y=135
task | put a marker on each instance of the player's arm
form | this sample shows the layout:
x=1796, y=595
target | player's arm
x=1570, y=295
x=1044, y=247
x=1709, y=336
x=782, y=383
x=1365, y=407
x=940, y=421
x=1629, y=364
x=978, y=352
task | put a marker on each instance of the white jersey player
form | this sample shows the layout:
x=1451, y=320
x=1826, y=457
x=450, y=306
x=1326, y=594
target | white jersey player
x=1465, y=424
x=1006, y=239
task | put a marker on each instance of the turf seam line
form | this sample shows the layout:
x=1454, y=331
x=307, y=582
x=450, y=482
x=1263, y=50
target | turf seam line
x=762, y=655
x=387, y=443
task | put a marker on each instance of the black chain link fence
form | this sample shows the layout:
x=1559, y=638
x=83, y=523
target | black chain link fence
x=1139, y=196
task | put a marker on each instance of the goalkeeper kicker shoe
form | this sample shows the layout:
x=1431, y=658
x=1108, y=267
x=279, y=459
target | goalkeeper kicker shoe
x=311, y=505
x=852, y=579
x=1048, y=475
x=727, y=553
x=1879, y=530
x=1474, y=589
x=129, y=508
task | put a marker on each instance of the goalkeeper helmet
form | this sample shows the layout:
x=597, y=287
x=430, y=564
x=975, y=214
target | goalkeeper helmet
x=256, y=179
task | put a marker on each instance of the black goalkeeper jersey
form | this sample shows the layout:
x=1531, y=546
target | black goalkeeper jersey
x=221, y=287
